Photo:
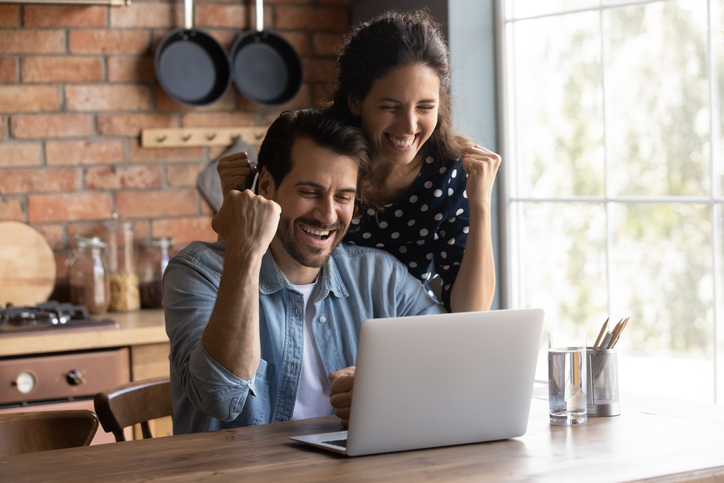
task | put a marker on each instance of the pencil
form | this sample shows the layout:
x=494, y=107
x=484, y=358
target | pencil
x=614, y=341
x=600, y=334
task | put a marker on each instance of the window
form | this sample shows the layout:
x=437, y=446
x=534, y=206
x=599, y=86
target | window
x=614, y=182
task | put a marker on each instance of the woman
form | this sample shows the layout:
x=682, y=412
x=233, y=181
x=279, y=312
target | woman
x=429, y=196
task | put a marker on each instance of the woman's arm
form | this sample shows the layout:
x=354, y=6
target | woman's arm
x=474, y=286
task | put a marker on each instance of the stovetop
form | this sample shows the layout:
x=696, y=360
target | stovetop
x=49, y=316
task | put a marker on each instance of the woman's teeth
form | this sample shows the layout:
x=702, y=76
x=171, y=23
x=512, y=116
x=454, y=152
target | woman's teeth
x=400, y=143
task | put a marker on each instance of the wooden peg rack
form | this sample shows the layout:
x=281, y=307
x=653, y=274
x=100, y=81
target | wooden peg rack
x=187, y=137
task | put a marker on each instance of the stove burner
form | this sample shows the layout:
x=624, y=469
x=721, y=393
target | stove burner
x=48, y=315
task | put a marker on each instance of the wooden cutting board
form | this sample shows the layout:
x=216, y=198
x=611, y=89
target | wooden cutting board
x=27, y=265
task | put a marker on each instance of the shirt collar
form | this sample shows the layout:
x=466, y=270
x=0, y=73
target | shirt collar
x=272, y=279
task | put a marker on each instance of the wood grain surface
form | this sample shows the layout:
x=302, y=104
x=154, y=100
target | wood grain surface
x=652, y=440
x=27, y=265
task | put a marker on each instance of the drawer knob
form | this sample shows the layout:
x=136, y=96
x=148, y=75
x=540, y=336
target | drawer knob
x=74, y=377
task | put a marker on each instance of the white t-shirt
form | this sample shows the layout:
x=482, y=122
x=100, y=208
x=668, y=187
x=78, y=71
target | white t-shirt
x=313, y=392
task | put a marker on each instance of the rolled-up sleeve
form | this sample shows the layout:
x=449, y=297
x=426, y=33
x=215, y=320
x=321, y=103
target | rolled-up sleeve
x=190, y=289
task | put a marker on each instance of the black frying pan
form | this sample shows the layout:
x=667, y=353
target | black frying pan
x=265, y=68
x=191, y=66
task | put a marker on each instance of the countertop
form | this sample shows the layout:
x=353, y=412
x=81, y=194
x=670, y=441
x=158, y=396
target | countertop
x=139, y=327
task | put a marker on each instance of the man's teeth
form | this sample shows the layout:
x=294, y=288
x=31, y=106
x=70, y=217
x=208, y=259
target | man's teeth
x=401, y=143
x=312, y=231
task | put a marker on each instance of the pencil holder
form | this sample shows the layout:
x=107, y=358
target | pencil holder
x=602, y=383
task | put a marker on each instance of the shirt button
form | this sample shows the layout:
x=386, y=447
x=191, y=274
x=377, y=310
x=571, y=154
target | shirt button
x=323, y=319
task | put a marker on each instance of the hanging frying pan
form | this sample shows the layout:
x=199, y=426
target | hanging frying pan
x=265, y=68
x=192, y=66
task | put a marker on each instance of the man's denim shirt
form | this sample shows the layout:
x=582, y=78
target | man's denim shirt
x=358, y=283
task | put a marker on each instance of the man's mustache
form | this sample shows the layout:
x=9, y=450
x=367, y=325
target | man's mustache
x=320, y=226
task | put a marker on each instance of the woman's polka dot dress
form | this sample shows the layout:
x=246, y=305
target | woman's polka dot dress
x=427, y=228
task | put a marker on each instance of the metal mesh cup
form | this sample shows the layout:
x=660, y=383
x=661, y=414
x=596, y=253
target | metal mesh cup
x=603, y=383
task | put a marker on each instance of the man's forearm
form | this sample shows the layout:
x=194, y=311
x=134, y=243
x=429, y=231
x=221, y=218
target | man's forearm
x=232, y=334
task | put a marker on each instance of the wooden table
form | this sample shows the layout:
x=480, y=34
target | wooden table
x=652, y=439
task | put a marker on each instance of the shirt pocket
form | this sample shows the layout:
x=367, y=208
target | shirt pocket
x=256, y=407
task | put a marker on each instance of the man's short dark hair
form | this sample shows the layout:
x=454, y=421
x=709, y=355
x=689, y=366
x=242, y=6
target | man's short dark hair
x=323, y=128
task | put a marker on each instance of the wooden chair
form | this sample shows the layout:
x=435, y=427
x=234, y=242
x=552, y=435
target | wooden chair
x=134, y=403
x=45, y=430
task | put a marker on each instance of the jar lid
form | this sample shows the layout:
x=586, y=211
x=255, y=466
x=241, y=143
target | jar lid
x=83, y=240
x=161, y=241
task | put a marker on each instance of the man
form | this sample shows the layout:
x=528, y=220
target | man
x=258, y=323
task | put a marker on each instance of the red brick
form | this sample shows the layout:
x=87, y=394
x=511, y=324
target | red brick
x=11, y=209
x=234, y=16
x=165, y=103
x=32, y=42
x=289, y=1
x=114, y=178
x=219, y=119
x=131, y=69
x=327, y=44
x=334, y=2
x=185, y=230
x=38, y=180
x=53, y=234
x=319, y=70
x=152, y=155
x=69, y=207
x=108, y=98
x=12, y=155
x=299, y=42
x=83, y=152
x=183, y=175
x=8, y=70
x=148, y=15
x=311, y=18
x=61, y=69
x=51, y=125
x=109, y=41
x=97, y=228
x=132, y=124
x=29, y=98
x=136, y=204
x=301, y=100
x=9, y=16
x=64, y=16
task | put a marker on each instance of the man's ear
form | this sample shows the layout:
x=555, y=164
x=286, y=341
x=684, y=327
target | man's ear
x=266, y=186
x=355, y=105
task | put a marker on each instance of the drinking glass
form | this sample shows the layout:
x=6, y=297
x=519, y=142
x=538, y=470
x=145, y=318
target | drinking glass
x=567, y=377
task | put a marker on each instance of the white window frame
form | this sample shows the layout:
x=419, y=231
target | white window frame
x=508, y=280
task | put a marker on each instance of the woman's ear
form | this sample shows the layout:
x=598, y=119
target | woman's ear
x=355, y=105
x=266, y=184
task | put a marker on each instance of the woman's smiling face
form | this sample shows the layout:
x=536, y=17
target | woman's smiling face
x=400, y=112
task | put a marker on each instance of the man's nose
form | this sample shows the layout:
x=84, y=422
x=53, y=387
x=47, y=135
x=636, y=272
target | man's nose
x=325, y=212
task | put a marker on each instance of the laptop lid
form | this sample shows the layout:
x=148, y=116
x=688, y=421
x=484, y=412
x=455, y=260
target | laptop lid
x=438, y=380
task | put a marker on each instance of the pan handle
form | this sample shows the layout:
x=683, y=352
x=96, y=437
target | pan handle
x=188, y=14
x=259, y=15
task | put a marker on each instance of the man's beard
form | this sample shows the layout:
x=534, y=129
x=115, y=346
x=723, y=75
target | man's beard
x=312, y=257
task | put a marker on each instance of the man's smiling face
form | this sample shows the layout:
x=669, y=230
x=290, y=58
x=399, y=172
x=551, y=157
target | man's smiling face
x=317, y=201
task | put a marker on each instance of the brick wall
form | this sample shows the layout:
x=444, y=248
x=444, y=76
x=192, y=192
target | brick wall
x=77, y=86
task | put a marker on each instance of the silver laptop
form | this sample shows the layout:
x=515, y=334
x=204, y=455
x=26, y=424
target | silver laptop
x=439, y=380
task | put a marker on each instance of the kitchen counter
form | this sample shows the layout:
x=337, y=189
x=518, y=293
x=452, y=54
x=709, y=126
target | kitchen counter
x=137, y=328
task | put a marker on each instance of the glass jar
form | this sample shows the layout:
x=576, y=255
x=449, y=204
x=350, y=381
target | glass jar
x=124, y=281
x=152, y=261
x=88, y=275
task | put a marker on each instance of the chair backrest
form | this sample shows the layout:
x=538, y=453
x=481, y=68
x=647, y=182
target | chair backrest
x=44, y=430
x=134, y=403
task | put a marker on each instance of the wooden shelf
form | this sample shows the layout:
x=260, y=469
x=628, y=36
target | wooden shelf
x=188, y=137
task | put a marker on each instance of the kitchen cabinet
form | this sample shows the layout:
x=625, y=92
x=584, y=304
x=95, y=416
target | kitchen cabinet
x=142, y=331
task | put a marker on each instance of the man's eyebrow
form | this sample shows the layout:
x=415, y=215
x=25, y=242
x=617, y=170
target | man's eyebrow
x=318, y=186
